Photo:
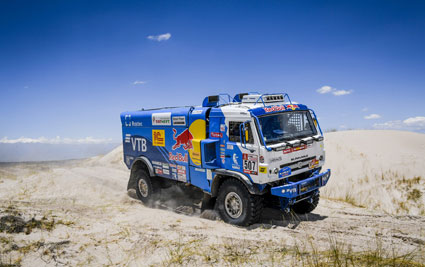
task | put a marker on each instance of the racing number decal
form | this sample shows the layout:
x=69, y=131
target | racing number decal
x=250, y=164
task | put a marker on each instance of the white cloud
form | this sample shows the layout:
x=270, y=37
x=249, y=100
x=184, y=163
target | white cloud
x=57, y=140
x=161, y=37
x=413, y=123
x=342, y=92
x=372, y=117
x=328, y=89
x=139, y=82
x=324, y=89
x=389, y=125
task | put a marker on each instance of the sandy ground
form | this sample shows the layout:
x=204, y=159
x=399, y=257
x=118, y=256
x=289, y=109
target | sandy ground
x=96, y=223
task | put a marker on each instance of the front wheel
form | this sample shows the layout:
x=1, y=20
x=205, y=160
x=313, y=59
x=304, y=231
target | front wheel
x=236, y=205
x=144, y=189
x=306, y=206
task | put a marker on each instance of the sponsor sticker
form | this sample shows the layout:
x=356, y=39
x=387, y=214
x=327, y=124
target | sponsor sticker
x=179, y=120
x=291, y=106
x=235, y=159
x=229, y=147
x=161, y=118
x=293, y=149
x=177, y=157
x=274, y=109
x=127, y=120
x=222, y=127
x=199, y=111
x=181, y=177
x=275, y=159
x=158, y=171
x=218, y=135
x=129, y=123
x=127, y=138
x=166, y=171
x=199, y=170
x=284, y=172
x=138, y=144
x=158, y=137
x=250, y=164
x=313, y=164
x=184, y=139
x=263, y=169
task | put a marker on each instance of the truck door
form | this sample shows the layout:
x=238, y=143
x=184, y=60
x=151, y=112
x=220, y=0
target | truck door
x=241, y=155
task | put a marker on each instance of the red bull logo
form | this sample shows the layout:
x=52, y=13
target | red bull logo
x=184, y=139
x=293, y=107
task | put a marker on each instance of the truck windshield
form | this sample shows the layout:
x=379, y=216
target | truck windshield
x=286, y=126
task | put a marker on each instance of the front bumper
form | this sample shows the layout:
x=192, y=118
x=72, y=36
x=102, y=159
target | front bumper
x=293, y=190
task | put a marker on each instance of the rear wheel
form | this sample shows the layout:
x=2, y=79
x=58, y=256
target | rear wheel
x=236, y=205
x=306, y=206
x=144, y=187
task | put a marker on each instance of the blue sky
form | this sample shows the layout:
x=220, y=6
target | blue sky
x=68, y=68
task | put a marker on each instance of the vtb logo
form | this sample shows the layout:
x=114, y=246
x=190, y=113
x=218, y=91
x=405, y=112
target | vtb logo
x=184, y=139
x=138, y=144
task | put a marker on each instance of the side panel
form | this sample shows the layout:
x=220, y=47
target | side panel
x=156, y=144
x=198, y=130
x=163, y=137
x=198, y=178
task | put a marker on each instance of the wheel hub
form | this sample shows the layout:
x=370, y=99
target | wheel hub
x=233, y=205
x=143, y=188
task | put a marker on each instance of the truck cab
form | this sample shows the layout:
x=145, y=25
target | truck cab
x=244, y=153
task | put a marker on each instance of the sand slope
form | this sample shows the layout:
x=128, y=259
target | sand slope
x=99, y=224
x=381, y=170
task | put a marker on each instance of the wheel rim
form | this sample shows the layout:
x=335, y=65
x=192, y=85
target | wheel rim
x=233, y=205
x=143, y=188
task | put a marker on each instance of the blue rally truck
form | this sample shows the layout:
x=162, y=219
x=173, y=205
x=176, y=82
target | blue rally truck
x=244, y=153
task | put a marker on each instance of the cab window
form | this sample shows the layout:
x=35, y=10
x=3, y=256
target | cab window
x=234, y=134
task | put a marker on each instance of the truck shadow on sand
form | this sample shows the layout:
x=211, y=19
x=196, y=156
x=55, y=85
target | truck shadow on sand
x=188, y=202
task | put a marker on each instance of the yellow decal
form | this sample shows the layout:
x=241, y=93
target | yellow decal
x=198, y=131
x=263, y=169
x=158, y=138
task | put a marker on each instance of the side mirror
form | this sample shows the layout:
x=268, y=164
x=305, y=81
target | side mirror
x=245, y=126
x=244, y=133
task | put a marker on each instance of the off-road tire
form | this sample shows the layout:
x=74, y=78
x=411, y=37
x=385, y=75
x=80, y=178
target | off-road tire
x=305, y=206
x=252, y=205
x=147, y=194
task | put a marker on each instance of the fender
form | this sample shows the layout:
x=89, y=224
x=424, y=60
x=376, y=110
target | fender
x=220, y=174
x=132, y=181
x=147, y=162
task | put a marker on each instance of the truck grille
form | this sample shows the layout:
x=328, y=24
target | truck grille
x=297, y=165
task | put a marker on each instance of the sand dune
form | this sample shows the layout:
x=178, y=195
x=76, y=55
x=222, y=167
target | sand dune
x=380, y=170
x=97, y=223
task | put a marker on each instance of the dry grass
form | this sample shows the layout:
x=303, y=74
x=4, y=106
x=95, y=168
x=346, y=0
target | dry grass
x=414, y=195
